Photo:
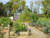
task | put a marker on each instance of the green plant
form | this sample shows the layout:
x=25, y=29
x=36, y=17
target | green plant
x=46, y=6
x=5, y=21
x=44, y=30
x=49, y=31
x=28, y=16
x=48, y=25
x=19, y=6
x=19, y=27
x=43, y=22
x=25, y=16
x=34, y=17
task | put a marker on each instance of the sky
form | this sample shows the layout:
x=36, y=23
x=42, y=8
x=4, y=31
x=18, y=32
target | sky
x=27, y=2
x=4, y=1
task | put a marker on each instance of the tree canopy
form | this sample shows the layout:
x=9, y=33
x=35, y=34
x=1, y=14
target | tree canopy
x=27, y=16
x=18, y=6
x=46, y=8
x=2, y=9
x=8, y=6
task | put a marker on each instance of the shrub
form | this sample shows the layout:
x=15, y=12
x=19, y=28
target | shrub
x=5, y=21
x=43, y=22
x=48, y=25
x=44, y=30
x=49, y=31
x=19, y=27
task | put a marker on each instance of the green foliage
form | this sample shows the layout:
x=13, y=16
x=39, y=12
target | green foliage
x=34, y=17
x=35, y=12
x=28, y=16
x=45, y=29
x=46, y=8
x=43, y=21
x=49, y=31
x=8, y=6
x=45, y=24
x=48, y=28
x=2, y=9
x=18, y=6
x=19, y=27
x=5, y=21
x=48, y=25
x=41, y=15
x=25, y=16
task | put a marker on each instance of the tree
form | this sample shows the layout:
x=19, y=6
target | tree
x=2, y=9
x=9, y=6
x=18, y=6
x=46, y=8
x=28, y=16
x=25, y=16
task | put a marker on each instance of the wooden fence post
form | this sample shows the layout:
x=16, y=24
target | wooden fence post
x=8, y=31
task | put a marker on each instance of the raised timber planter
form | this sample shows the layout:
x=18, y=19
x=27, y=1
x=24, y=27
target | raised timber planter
x=23, y=33
x=13, y=37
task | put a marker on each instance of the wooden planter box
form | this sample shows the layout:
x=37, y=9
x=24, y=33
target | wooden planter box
x=25, y=33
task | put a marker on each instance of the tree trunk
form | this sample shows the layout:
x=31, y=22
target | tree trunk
x=8, y=31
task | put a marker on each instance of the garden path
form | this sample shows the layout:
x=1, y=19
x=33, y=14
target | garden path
x=35, y=33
